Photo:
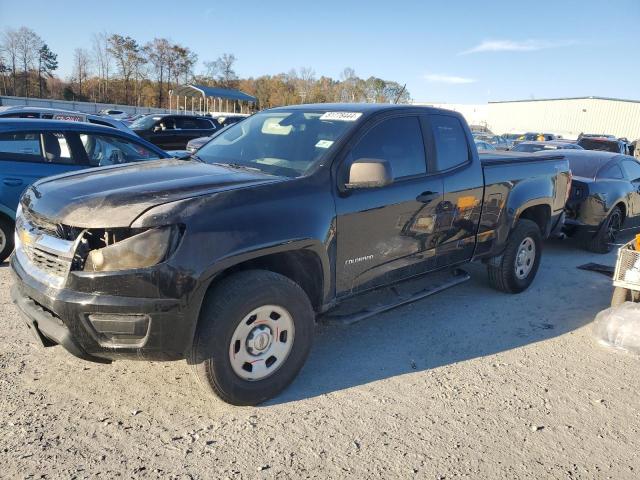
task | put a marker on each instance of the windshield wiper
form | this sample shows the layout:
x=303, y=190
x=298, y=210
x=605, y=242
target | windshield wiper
x=238, y=166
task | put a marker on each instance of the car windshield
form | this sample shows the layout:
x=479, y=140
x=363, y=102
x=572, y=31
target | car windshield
x=144, y=123
x=287, y=143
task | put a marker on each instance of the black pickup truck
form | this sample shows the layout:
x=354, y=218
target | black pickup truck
x=227, y=260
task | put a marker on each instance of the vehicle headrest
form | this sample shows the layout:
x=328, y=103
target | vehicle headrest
x=51, y=147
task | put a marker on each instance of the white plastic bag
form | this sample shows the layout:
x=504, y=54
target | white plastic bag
x=619, y=327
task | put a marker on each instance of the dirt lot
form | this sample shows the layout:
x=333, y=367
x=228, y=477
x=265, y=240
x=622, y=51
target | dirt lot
x=469, y=383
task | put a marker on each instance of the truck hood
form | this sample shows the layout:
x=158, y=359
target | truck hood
x=110, y=197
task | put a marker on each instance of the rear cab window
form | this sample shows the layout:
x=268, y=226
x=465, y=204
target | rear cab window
x=450, y=141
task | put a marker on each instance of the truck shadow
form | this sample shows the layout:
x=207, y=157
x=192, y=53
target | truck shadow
x=466, y=322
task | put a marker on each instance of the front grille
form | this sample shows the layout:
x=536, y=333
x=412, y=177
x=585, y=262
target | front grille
x=47, y=247
x=48, y=262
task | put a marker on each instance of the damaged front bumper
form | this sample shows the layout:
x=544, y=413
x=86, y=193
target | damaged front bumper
x=101, y=328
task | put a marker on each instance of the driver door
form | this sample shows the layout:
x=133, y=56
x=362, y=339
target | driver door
x=388, y=233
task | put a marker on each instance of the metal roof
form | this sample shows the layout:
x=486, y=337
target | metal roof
x=566, y=98
x=215, y=92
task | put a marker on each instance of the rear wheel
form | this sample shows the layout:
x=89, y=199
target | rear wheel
x=6, y=238
x=516, y=268
x=254, y=334
x=605, y=238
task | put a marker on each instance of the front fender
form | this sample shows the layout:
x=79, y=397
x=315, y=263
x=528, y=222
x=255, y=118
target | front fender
x=304, y=244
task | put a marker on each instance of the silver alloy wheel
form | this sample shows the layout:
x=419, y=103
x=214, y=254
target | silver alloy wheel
x=261, y=342
x=525, y=258
x=3, y=240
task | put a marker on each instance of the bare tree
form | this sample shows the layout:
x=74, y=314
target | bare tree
x=81, y=65
x=304, y=82
x=184, y=61
x=126, y=52
x=349, y=85
x=159, y=53
x=102, y=59
x=222, y=70
x=28, y=45
x=10, y=40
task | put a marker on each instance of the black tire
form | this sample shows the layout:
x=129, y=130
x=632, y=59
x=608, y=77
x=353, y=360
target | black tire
x=605, y=237
x=223, y=309
x=7, y=228
x=621, y=295
x=502, y=270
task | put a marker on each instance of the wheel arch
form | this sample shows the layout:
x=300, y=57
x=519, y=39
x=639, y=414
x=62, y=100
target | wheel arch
x=539, y=213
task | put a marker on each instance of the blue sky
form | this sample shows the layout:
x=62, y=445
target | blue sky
x=445, y=51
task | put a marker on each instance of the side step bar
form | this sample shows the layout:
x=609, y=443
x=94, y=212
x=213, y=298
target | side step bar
x=457, y=277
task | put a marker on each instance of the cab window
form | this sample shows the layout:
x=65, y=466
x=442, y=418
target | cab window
x=397, y=140
x=450, y=142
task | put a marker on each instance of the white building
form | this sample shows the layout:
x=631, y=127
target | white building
x=563, y=116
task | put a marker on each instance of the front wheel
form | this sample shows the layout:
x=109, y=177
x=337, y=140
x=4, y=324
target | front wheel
x=254, y=334
x=516, y=268
x=6, y=238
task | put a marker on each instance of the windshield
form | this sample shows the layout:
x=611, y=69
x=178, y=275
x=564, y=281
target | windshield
x=287, y=143
x=144, y=123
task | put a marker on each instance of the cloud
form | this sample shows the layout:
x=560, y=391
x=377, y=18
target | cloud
x=450, y=79
x=515, y=46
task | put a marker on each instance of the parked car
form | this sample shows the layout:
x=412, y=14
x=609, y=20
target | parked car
x=531, y=147
x=57, y=114
x=534, y=137
x=496, y=141
x=227, y=261
x=32, y=149
x=173, y=132
x=197, y=143
x=113, y=113
x=511, y=138
x=604, y=144
x=605, y=197
x=226, y=120
x=481, y=145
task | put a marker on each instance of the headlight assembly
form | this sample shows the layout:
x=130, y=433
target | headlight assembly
x=137, y=251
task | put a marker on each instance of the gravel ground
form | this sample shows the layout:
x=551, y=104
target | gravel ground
x=469, y=383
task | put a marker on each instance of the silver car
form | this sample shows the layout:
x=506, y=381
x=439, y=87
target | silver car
x=59, y=114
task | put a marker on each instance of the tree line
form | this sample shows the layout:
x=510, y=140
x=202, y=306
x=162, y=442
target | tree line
x=119, y=69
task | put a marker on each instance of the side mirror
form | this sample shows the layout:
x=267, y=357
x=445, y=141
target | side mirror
x=369, y=173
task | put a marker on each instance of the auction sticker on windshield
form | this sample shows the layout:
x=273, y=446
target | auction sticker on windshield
x=324, y=143
x=341, y=116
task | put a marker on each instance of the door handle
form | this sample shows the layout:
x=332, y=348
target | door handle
x=426, y=197
x=12, y=182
